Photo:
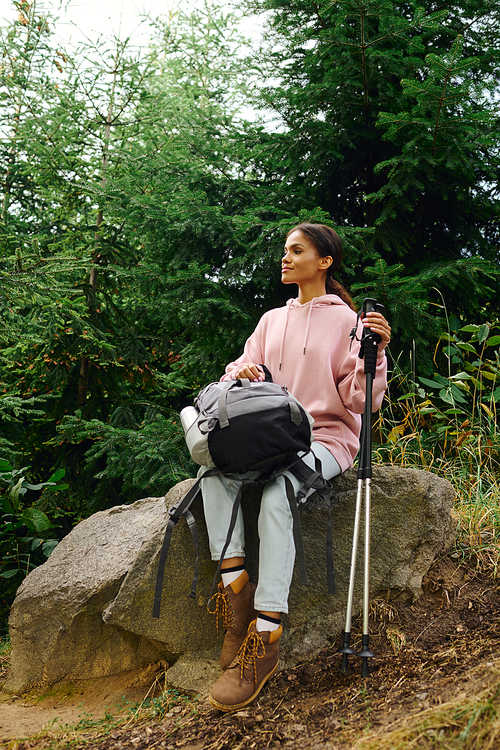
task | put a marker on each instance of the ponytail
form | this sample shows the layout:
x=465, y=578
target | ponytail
x=335, y=287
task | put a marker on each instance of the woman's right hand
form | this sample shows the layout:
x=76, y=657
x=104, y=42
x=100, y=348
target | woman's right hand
x=248, y=370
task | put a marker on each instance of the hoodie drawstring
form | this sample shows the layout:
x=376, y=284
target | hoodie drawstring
x=282, y=344
x=308, y=327
x=308, y=324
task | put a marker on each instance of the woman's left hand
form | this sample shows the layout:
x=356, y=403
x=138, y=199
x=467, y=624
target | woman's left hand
x=376, y=322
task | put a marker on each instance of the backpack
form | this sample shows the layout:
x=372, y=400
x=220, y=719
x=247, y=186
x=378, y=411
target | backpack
x=239, y=426
x=243, y=426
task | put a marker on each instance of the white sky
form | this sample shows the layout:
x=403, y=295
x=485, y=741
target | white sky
x=108, y=18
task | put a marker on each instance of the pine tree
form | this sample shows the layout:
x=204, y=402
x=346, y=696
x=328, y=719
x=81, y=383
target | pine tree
x=38, y=262
x=129, y=173
x=388, y=123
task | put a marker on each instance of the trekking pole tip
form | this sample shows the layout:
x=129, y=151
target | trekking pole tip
x=345, y=664
x=346, y=651
x=365, y=668
x=365, y=654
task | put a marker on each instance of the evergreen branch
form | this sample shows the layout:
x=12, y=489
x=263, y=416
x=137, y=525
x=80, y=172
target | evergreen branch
x=445, y=85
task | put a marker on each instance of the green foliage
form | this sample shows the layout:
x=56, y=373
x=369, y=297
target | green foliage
x=406, y=296
x=448, y=424
x=445, y=140
x=26, y=531
x=131, y=461
x=127, y=308
x=156, y=707
x=452, y=412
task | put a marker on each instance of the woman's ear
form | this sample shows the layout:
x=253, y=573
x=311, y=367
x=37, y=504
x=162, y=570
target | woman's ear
x=325, y=262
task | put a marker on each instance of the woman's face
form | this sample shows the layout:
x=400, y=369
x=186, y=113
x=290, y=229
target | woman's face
x=301, y=263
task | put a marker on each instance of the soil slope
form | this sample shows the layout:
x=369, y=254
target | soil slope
x=445, y=647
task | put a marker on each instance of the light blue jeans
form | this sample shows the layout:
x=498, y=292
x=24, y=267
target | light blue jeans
x=275, y=527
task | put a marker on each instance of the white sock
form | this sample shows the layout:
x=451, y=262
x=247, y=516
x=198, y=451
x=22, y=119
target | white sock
x=228, y=578
x=263, y=625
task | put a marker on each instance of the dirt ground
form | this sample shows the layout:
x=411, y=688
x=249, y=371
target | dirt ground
x=443, y=647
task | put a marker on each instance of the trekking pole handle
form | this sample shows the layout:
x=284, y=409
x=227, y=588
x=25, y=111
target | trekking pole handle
x=369, y=340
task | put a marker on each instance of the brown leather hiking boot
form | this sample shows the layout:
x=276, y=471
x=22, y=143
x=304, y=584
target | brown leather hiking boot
x=234, y=606
x=256, y=661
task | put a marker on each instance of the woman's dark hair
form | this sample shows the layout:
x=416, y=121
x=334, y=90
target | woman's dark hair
x=327, y=242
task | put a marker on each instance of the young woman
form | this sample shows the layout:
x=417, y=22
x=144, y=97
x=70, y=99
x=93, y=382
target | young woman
x=306, y=346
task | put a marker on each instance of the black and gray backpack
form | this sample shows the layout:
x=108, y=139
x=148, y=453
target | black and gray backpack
x=240, y=426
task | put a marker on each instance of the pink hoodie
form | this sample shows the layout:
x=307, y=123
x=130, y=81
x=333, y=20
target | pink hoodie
x=306, y=348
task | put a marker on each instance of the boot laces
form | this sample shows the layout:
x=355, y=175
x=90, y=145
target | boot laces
x=223, y=609
x=251, y=649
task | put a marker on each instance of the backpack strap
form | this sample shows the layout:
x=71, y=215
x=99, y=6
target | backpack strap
x=330, y=571
x=295, y=413
x=312, y=479
x=178, y=511
x=232, y=524
x=222, y=404
x=222, y=400
x=297, y=532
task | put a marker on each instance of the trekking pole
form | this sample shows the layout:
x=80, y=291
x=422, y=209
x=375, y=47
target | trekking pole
x=368, y=352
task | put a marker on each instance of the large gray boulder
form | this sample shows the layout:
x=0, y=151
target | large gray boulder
x=87, y=612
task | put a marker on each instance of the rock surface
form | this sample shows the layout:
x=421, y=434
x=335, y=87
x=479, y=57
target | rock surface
x=87, y=611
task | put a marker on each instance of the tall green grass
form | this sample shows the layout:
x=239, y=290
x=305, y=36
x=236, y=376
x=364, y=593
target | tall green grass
x=448, y=424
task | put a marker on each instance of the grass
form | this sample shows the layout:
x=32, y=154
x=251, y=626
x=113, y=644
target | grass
x=477, y=496
x=5, y=649
x=453, y=432
x=168, y=702
x=465, y=723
